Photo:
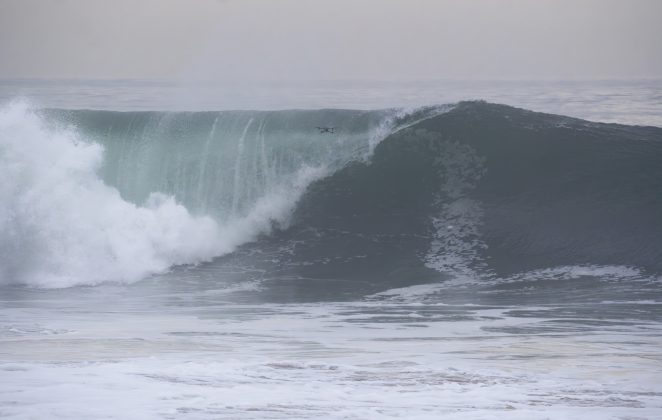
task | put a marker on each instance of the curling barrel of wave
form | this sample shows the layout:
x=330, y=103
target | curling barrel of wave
x=102, y=196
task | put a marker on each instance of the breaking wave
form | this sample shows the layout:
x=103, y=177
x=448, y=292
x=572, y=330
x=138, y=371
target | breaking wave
x=97, y=196
x=474, y=190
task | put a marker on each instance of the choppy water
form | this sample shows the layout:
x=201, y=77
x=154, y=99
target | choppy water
x=469, y=261
x=118, y=352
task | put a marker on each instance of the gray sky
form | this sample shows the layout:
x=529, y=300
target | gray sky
x=248, y=40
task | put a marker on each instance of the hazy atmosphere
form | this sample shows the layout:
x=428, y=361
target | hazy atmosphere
x=331, y=40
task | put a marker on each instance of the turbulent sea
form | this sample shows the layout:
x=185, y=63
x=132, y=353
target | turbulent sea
x=452, y=250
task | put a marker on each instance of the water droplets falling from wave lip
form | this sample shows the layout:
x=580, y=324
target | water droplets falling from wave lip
x=111, y=196
x=222, y=163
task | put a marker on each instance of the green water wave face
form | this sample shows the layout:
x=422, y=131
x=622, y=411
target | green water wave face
x=222, y=163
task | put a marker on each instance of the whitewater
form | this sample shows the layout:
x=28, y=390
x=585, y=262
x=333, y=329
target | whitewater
x=435, y=257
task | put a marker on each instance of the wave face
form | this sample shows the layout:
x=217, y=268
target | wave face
x=474, y=191
x=486, y=192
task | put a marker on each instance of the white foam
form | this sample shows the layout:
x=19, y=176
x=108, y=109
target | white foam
x=61, y=226
x=567, y=272
x=462, y=278
x=326, y=361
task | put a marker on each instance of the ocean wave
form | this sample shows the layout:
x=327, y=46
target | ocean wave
x=393, y=197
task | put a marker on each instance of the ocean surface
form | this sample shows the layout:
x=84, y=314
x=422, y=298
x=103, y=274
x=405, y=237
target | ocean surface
x=455, y=250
